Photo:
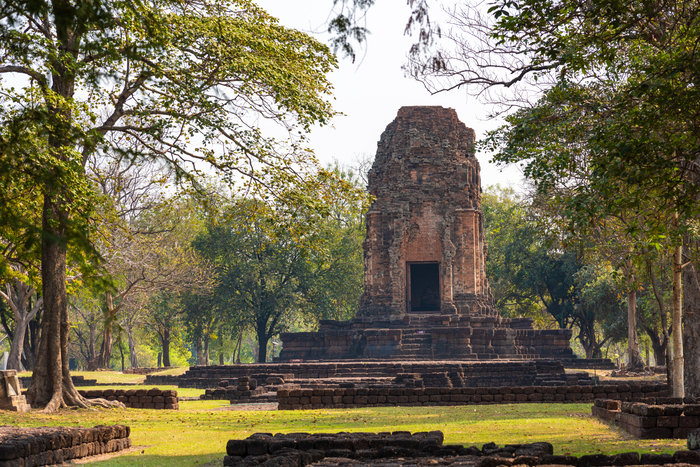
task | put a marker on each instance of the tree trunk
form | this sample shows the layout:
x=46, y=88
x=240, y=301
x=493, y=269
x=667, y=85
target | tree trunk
x=31, y=343
x=198, y=349
x=239, y=347
x=588, y=348
x=105, y=357
x=206, y=349
x=165, y=343
x=52, y=387
x=664, y=327
x=658, y=346
x=262, y=347
x=691, y=331
x=132, y=347
x=19, y=298
x=677, y=314
x=92, y=355
x=635, y=358
x=14, y=360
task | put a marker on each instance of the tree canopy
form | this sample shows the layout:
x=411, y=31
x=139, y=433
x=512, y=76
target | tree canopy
x=181, y=82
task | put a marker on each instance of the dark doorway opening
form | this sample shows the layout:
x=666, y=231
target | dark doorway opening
x=424, y=287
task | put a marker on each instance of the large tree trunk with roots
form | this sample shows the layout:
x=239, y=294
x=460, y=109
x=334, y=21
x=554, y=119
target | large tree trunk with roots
x=52, y=387
x=691, y=330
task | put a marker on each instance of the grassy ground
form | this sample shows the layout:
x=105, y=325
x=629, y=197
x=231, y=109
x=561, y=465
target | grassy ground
x=198, y=432
x=116, y=377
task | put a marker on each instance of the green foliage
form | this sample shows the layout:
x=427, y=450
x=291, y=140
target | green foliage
x=283, y=265
x=618, y=132
x=537, y=272
x=530, y=268
x=179, y=82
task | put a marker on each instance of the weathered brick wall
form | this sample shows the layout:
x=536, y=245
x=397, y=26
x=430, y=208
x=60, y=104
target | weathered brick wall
x=305, y=399
x=144, y=371
x=304, y=448
x=427, y=209
x=56, y=445
x=77, y=381
x=471, y=374
x=651, y=419
x=138, y=398
x=427, y=448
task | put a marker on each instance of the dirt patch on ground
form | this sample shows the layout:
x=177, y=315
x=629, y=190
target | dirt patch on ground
x=248, y=407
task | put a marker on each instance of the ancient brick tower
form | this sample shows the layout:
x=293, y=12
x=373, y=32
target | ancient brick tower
x=424, y=250
x=426, y=293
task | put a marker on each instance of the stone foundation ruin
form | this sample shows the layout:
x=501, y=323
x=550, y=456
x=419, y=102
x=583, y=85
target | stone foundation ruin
x=24, y=447
x=426, y=292
x=403, y=448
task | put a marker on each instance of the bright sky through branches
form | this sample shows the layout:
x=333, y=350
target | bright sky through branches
x=370, y=91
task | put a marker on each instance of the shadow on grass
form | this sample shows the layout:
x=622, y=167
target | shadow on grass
x=148, y=460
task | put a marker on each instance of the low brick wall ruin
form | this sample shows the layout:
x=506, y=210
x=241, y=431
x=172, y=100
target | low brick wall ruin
x=541, y=372
x=589, y=363
x=55, y=445
x=138, y=398
x=144, y=371
x=246, y=390
x=304, y=448
x=77, y=381
x=304, y=399
x=655, y=418
x=427, y=448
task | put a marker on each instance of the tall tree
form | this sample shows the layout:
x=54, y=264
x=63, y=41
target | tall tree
x=185, y=79
x=608, y=87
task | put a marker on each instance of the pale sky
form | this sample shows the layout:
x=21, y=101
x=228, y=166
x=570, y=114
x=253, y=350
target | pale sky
x=371, y=91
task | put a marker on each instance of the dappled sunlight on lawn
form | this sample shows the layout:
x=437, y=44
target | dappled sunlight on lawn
x=200, y=429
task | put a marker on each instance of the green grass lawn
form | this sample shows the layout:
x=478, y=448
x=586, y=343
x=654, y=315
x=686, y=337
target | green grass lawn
x=117, y=377
x=198, y=432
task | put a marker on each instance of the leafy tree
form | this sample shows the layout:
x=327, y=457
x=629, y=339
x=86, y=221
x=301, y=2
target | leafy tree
x=598, y=288
x=144, y=245
x=19, y=295
x=261, y=270
x=185, y=79
x=538, y=271
x=614, y=87
x=531, y=268
x=508, y=229
x=164, y=316
x=276, y=266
